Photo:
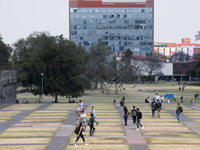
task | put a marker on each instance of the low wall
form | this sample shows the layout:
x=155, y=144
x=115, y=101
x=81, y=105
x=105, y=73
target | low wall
x=8, y=86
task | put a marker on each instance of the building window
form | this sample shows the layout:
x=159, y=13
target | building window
x=111, y=37
x=104, y=16
x=85, y=43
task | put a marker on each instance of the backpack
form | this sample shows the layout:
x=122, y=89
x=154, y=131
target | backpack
x=76, y=130
x=90, y=122
x=181, y=109
x=133, y=112
x=158, y=105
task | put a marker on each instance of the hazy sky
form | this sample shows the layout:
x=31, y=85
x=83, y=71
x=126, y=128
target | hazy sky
x=174, y=19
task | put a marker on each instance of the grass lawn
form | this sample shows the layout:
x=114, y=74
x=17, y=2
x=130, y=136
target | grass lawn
x=96, y=133
x=23, y=147
x=163, y=124
x=166, y=129
x=27, y=134
x=45, y=117
x=173, y=147
x=178, y=134
x=24, y=140
x=38, y=124
x=43, y=120
x=23, y=107
x=97, y=147
x=107, y=128
x=110, y=120
x=18, y=129
x=172, y=140
x=100, y=140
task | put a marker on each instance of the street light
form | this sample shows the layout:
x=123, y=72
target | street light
x=42, y=86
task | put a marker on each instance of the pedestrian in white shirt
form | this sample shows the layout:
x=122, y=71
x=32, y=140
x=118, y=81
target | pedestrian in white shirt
x=93, y=112
x=81, y=104
x=83, y=119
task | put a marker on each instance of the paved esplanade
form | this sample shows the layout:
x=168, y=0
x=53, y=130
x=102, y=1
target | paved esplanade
x=56, y=123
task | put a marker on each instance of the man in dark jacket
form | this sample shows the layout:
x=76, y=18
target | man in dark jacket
x=139, y=117
x=158, y=105
x=92, y=127
x=179, y=110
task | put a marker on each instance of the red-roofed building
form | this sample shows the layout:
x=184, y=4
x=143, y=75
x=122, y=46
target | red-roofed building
x=168, y=49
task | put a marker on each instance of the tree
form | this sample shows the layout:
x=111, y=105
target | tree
x=152, y=65
x=158, y=55
x=56, y=58
x=181, y=56
x=5, y=52
x=197, y=36
x=97, y=60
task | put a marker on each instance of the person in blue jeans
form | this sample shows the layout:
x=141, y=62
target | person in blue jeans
x=83, y=119
x=125, y=112
x=139, y=117
x=94, y=114
x=153, y=109
x=179, y=110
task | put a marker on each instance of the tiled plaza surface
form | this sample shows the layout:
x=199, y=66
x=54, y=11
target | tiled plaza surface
x=51, y=127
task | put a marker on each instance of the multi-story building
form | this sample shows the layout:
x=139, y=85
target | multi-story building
x=120, y=24
x=168, y=49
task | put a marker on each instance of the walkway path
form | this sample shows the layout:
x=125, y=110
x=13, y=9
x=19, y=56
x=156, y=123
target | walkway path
x=134, y=137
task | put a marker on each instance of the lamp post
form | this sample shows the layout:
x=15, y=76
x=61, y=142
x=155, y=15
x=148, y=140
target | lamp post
x=42, y=86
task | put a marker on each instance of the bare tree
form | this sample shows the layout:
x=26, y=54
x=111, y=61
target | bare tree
x=197, y=36
x=152, y=65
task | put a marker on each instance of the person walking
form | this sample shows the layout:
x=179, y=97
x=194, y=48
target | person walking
x=139, y=117
x=122, y=104
x=125, y=114
x=158, y=106
x=179, y=110
x=94, y=114
x=153, y=109
x=80, y=134
x=133, y=114
x=81, y=104
x=91, y=124
x=123, y=99
x=181, y=99
x=83, y=119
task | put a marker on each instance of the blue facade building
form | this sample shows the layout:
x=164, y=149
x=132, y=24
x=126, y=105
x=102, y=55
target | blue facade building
x=119, y=28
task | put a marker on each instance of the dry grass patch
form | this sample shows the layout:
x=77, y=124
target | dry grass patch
x=46, y=117
x=100, y=140
x=5, y=117
x=163, y=117
x=173, y=147
x=24, y=140
x=109, y=120
x=179, y=134
x=193, y=116
x=107, y=114
x=97, y=147
x=38, y=124
x=108, y=128
x=26, y=134
x=3, y=120
x=23, y=107
x=105, y=134
x=43, y=120
x=8, y=115
x=107, y=111
x=110, y=124
x=159, y=120
x=49, y=114
x=107, y=117
x=10, y=112
x=166, y=129
x=32, y=129
x=163, y=124
x=52, y=111
x=172, y=140
x=23, y=147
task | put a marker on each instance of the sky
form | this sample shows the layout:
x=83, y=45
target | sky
x=174, y=19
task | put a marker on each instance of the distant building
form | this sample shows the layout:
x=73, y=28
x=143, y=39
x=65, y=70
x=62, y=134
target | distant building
x=170, y=70
x=120, y=24
x=168, y=49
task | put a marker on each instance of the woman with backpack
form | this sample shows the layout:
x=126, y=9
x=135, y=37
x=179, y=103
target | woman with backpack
x=79, y=131
x=153, y=109
x=125, y=114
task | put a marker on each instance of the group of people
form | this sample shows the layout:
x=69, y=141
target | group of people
x=156, y=105
x=136, y=116
x=196, y=96
x=83, y=123
x=148, y=100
